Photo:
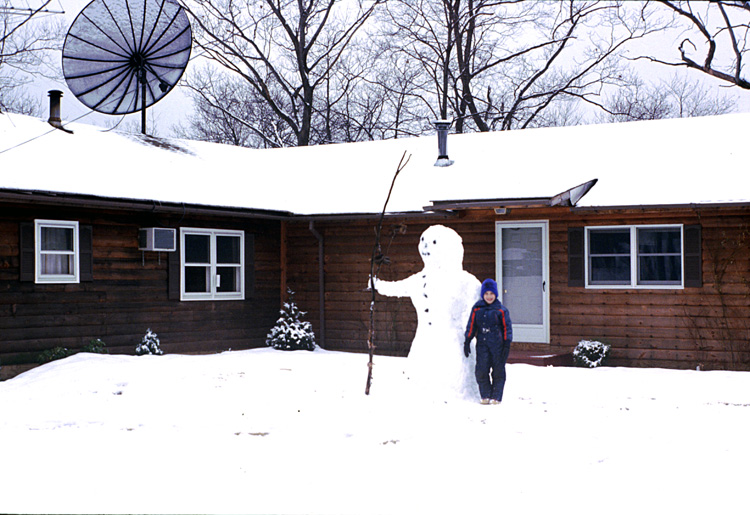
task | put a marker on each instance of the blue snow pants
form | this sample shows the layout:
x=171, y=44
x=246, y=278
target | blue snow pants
x=490, y=369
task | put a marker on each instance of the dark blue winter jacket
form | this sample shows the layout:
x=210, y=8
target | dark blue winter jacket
x=490, y=323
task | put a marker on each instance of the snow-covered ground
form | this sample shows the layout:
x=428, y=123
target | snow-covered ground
x=276, y=432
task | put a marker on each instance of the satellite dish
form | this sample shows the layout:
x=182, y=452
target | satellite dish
x=122, y=56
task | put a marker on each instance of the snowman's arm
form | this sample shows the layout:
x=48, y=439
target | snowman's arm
x=402, y=288
x=470, y=294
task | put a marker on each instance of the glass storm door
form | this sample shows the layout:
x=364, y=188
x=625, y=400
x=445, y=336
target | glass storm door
x=523, y=278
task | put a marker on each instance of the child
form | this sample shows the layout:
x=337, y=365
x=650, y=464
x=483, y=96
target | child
x=490, y=323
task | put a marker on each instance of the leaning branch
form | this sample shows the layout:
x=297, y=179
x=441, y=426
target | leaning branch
x=377, y=251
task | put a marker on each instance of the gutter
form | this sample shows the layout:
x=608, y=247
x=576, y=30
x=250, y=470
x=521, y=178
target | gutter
x=29, y=197
x=321, y=284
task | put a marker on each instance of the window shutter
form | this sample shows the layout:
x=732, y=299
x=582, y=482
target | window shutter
x=576, y=257
x=86, y=253
x=27, y=254
x=173, y=272
x=249, y=265
x=693, y=256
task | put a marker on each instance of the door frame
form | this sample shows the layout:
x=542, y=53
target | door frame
x=527, y=333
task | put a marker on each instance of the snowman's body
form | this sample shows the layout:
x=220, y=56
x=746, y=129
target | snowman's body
x=443, y=294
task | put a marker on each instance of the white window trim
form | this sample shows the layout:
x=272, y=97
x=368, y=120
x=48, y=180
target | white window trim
x=213, y=294
x=40, y=278
x=634, y=258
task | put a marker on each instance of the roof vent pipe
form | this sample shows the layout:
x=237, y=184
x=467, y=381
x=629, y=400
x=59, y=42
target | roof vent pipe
x=54, y=110
x=442, y=127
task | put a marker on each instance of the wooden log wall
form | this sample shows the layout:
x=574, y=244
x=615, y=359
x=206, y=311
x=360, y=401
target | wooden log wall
x=707, y=327
x=129, y=292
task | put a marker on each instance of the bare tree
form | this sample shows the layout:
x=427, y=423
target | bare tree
x=720, y=42
x=387, y=100
x=677, y=97
x=229, y=110
x=25, y=42
x=284, y=49
x=502, y=65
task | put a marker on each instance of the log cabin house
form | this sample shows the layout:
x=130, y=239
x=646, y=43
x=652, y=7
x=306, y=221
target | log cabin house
x=636, y=235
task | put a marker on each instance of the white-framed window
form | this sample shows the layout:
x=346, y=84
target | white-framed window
x=635, y=256
x=212, y=262
x=56, y=250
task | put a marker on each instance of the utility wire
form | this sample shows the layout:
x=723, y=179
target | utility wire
x=53, y=129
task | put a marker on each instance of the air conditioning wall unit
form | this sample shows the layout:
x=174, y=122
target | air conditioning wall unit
x=157, y=239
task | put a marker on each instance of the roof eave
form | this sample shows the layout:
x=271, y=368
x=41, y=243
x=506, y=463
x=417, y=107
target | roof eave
x=127, y=204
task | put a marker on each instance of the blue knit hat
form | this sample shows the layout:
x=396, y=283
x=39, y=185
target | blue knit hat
x=489, y=285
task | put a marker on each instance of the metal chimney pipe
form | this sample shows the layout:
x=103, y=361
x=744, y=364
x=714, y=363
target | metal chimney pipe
x=54, y=110
x=442, y=127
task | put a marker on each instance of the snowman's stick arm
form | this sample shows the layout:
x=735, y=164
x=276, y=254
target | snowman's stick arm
x=375, y=250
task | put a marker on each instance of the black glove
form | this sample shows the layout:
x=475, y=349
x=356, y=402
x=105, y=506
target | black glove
x=467, y=348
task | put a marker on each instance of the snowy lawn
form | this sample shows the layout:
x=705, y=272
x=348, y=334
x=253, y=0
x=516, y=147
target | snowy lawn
x=276, y=432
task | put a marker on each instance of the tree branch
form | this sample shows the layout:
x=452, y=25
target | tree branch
x=376, y=249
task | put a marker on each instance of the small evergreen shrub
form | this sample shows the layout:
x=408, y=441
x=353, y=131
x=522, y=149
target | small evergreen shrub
x=590, y=354
x=149, y=345
x=290, y=331
x=53, y=354
x=96, y=347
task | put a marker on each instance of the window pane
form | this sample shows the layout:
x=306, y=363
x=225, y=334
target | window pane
x=609, y=256
x=659, y=241
x=659, y=256
x=613, y=241
x=609, y=270
x=228, y=249
x=57, y=238
x=197, y=248
x=56, y=264
x=197, y=279
x=660, y=269
x=523, y=274
x=229, y=279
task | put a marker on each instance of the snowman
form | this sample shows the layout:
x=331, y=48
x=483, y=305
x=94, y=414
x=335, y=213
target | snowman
x=443, y=294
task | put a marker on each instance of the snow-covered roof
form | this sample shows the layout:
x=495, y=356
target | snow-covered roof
x=665, y=162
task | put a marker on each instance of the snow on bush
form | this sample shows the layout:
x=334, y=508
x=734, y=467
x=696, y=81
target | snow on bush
x=290, y=331
x=96, y=346
x=590, y=354
x=50, y=355
x=149, y=344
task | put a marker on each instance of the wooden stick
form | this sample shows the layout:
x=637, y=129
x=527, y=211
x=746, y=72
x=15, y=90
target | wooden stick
x=376, y=250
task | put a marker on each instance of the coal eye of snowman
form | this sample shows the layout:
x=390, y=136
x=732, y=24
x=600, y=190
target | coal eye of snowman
x=434, y=242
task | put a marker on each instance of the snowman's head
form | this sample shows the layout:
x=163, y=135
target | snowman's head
x=441, y=247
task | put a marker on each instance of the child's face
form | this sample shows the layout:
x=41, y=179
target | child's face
x=489, y=297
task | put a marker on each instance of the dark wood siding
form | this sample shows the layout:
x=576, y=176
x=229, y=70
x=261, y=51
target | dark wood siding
x=706, y=324
x=128, y=289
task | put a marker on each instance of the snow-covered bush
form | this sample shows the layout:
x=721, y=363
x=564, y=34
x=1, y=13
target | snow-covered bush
x=53, y=354
x=290, y=331
x=590, y=354
x=95, y=347
x=149, y=345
